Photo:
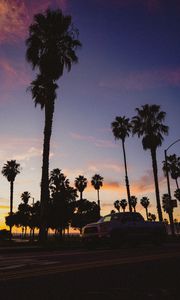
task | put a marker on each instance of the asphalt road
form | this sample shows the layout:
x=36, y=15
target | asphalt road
x=143, y=272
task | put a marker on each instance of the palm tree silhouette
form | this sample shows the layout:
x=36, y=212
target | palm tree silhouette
x=166, y=204
x=148, y=123
x=25, y=196
x=173, y=166
x=121, y=128
x=117, y=205
x=24, y=210
x=145, y=203
x=177, y=194
x=133, y=201
x=81, y=184
x=123, y=204
x=10, y=170
x=51, y=48
x=97, y=183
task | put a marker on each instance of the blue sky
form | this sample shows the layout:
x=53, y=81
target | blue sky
x=130, y=56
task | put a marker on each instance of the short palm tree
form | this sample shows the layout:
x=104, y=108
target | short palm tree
x=121, y=129
x=148, y=124
x=145, y=203
x=117, y=205
x=10, y=170
x=177, y=194
x=166, y=203
x=97, y=183
x=51, y=48
x=25, y=196
x=81, y=184
x=133, y=201
x=173, y=166
x=123, y=204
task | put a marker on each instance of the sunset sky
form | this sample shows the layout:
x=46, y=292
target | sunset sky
x=130, y=56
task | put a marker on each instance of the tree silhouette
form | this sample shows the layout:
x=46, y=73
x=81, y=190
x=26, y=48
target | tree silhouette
x=97, y=183
x=173, y=166
x=51, y=48
x=121, y=128
x=177, y=194
x=148, y=123
x=166, y=204
x=117, y=205
x=123, y=204
x=81, y=184
x=10, y=170
x=86, y=212
x=133, y=201
x=62, y=202
x=145, y=203
x=24, y=211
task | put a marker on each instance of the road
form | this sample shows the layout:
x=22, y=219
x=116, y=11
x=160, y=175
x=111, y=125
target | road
x=143, y=272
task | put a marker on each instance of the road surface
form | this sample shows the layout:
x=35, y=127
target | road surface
x=143, y=272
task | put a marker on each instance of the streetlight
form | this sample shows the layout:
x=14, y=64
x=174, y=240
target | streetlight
x=168, y=186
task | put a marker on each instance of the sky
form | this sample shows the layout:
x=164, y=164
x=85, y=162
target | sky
x=130, y=56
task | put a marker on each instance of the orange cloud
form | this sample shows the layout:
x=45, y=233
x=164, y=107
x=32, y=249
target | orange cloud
x=16, y=15
x=4, y=207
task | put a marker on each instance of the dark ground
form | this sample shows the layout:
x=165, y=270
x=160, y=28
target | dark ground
x=152, y=279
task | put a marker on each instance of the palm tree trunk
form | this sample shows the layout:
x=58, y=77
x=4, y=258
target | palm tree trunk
x=98, y=202
x=177, y=185
x=81, y=194
x=11, y=196
x=126, y=178
x=155, y=172
x=146, y=213
x=44, y=198
x=11, y=203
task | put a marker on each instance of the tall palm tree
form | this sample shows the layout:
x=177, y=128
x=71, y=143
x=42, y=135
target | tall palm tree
x=81, y=184
x=10, y=170
x=145, y=203
x=133, y=201
x=97, y=183
x=117, y=205
x=51, y=48
x=173, y=166
x=148, y=124
x=121, y=129
x=123, y=204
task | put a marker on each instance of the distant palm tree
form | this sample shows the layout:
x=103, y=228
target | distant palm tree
x=133, y=201
x=25, y=196
x=145, y=203
x=166, y=204
x=121, y=128
x=81, y=184
x=97, y=183
x=51, y=48
x=177, y=194
x=117, y=205
x=24, y=211
x=10, y=170
x=123, y=204
x=148, y=123
x=173, y=166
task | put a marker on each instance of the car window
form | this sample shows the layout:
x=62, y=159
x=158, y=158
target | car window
x=116, y=217
x=107, y=219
